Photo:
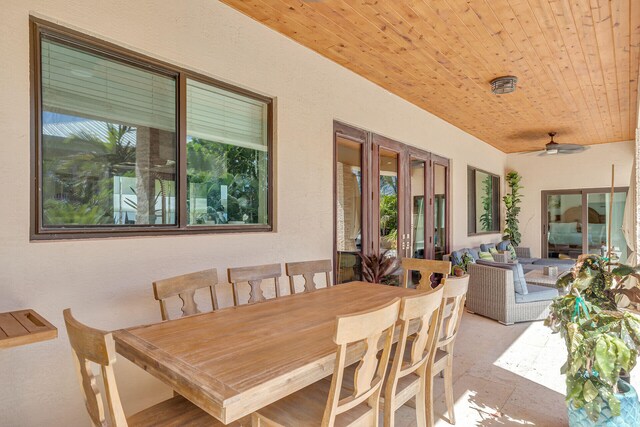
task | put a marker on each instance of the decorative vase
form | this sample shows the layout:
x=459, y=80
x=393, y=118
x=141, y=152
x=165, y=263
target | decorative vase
x=629, y=411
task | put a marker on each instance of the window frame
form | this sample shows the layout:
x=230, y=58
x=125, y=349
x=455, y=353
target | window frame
x=61, y=34
x=471, y=203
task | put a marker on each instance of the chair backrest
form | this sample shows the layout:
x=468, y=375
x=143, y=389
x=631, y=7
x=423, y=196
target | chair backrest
x=308, y=270
x=426, y=267
x=185, y=287
x=367, y=327
x=95, y=346
x=426, y=309
x=453, y=298
x=254, y=276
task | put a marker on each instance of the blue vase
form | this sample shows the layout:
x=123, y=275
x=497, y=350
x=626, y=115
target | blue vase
x=629, y=411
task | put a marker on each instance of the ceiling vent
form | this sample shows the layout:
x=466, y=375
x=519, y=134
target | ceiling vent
x=502, y=85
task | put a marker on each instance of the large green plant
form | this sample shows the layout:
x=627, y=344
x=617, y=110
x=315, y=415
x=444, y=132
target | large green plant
x=486, y=219
x=601, y=340
x=512, y=204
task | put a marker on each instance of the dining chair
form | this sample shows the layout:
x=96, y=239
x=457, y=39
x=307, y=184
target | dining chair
x=426, y=267
x=414, y=353
x=185, y=287
x=308, y=270
x=325, y=403
x=254, y=276
x=453, y=298
x=93, y=346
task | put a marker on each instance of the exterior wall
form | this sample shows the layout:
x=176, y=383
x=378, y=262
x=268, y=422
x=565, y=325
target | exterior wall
x=589, y=169
x=107, y=282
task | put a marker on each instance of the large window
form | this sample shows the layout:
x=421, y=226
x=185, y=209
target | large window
x=124, y=144
x=483, y=192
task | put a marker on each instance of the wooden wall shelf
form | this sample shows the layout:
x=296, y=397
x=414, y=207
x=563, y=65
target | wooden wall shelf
x=24, y=327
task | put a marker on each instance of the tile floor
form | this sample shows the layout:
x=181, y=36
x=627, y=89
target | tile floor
x=503, y=376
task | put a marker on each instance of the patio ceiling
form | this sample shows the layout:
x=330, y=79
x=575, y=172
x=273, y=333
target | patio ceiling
x=576, y=60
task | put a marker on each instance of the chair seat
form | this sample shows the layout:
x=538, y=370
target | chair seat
x=178, y=412
x=537, y=293
x=305, y=408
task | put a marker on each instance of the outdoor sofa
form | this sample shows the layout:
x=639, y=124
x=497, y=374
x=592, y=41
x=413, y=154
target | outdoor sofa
x=499, y=291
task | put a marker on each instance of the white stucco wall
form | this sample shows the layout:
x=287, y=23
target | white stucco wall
x=107, y=282
x=589, y=169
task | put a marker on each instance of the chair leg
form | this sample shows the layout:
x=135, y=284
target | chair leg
x=389, y=413
x=429, y=398
x=448, y=388
x=421, y=403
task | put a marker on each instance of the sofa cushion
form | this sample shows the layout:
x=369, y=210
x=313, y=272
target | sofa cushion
x=537, y=293
x=519, y=283
x=456, y=257
x=527, y=260
x=554, y=261
x=486, y=247
x=502, y=246
x=475, y=253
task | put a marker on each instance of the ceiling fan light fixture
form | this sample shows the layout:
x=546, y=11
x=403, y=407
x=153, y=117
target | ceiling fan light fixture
x=503, y=85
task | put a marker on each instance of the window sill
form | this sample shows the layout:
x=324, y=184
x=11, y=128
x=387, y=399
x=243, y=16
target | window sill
x=110, y=232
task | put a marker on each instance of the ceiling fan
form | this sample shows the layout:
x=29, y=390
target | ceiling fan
x=552, y=148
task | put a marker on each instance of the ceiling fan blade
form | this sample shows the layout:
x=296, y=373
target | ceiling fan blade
x=537, y=150
x=571, y=148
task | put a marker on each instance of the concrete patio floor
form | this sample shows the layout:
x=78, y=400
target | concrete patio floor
x=503, y=376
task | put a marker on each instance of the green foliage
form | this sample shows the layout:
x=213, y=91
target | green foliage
x=213, y=165
x=512, y=204
x=601, y=340
x=82, y=167
x=389, y=218
x=60, y=212
x=486, y=219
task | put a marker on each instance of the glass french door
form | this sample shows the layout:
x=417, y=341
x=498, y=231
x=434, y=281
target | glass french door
x=577, y=222
x=350, y=206
x=388, y=205
x=439, y=173
x=389, y=198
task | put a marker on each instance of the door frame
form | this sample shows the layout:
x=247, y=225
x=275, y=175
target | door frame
x=370, y=235
x=584, y=192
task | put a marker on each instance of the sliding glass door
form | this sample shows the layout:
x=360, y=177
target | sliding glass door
x=389, y=198
x=577, y=222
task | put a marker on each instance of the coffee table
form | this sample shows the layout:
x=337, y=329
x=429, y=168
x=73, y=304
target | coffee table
x=537, y=277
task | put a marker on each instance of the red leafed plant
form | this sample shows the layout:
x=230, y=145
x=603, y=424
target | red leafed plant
x=375, y=268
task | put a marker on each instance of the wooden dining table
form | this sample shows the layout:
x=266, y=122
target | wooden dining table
x=234, y=361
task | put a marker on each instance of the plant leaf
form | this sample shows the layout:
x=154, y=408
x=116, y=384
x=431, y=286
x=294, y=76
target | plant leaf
x=589, y=391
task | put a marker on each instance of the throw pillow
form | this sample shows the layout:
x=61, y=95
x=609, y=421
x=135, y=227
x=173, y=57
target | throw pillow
x=512, y=251
x=486, y=256
x=493, y=250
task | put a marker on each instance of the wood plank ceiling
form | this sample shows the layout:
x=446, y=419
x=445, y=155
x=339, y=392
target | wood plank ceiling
x=576, y=60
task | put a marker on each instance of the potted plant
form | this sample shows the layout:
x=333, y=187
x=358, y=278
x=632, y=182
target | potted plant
x=512, y=205
x=378, y=268
x=601, y=342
